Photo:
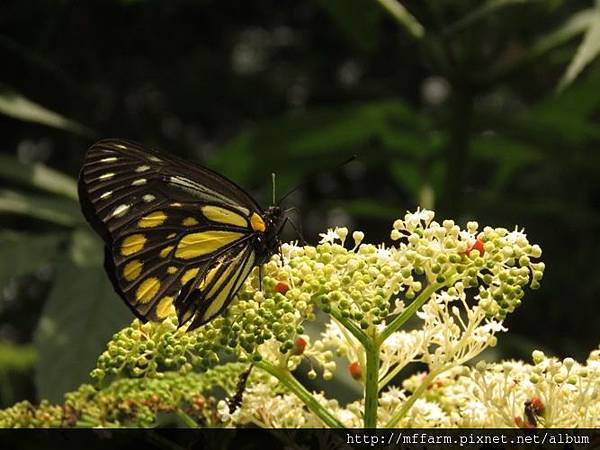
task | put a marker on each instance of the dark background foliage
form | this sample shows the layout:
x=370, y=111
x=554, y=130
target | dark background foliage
x=483, y=111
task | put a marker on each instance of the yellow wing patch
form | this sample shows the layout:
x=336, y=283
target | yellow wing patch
x=171, y=270
x=189, y=222
x=165, y=251
x=147, y=290
x=194, y=245
x=221, y=280
x=132, y=270
x=132, y=244
x=209, y=276
x=188, y=275
x=165, y=307
x=258, y=224
x=223, y=294
x=152, y=220
x=225, y=216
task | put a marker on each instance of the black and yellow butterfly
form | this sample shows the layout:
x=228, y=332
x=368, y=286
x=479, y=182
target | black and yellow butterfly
x=179, y=237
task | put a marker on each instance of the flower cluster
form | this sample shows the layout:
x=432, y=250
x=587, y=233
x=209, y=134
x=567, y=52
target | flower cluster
x=132, y=402
x=362, y=286
x=547, y=393
x=456, y=285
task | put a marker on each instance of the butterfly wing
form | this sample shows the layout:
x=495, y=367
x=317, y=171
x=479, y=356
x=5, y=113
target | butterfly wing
x=177, y=235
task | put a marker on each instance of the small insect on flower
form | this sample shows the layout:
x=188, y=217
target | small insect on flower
x=533, y=409
x=180, y=238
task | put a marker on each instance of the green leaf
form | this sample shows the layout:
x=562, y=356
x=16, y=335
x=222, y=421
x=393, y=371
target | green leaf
x=39, y=176
x=408, y=175
x=509, y=156
x=481, y=12
x=57, y=210
x=16, y=358
x=358, y=19
x=23, y=253
x=578, y=103
x=588, y=50
x=405, y=19
x=572, y=27
x=575, y=25
x=298, y=141
x=80, y=316
x=15, y=105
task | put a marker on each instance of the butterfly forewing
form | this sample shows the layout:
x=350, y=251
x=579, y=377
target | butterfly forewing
x=178, y=236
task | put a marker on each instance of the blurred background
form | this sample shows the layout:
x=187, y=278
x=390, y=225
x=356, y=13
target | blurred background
x=481, y=110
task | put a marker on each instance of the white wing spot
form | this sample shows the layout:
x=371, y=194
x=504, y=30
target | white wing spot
x=121, y=146
x=139, y=182
x=148, y=198
x=120, y=210
x=142, y=168
x=106, y=176
x=154, y=158
x=107, y=160
x=106, y=195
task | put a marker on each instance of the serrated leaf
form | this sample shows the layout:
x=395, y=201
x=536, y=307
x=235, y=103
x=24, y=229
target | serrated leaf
x=588, y=50
x=39, y=176
x=57, y=210
x=23, y=253
x=80, y=316
x=15, y=105
x=575, y=25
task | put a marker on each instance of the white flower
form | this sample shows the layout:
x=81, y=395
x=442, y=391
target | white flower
x=329, y=237
x=223, y=411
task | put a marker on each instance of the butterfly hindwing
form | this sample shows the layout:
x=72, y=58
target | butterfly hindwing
x=178, y=236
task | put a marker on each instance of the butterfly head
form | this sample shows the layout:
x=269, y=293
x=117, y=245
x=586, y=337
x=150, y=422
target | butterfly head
x=274, y=220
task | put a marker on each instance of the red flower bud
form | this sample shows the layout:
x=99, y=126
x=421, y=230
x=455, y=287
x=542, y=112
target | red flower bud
x=282, y=287
x=477, y=245
x=355, y=370
x=299, y=346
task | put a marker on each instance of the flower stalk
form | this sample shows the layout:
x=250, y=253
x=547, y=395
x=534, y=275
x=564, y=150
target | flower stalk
x=293, y=385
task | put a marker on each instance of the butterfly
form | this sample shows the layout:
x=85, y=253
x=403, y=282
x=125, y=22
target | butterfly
x=179, y=237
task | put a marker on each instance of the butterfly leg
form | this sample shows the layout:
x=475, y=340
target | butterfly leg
x=297, y=226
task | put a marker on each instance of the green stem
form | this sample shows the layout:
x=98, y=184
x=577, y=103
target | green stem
x=398, y=415
x=404, y=18
x=185, y=418
x=371, y=385
x=83, y=423
x=390, y=376
x=294, y=386
x=349, y=325
x=395, y=324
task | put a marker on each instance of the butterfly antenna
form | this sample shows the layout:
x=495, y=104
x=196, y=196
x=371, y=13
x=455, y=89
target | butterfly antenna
x=273, y=184
x=312, y=176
